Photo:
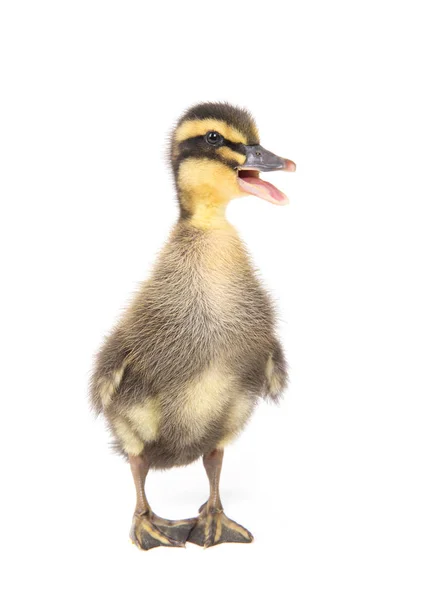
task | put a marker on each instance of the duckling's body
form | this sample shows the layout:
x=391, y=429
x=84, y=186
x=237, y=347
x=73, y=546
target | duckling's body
x=197, y=349
x=181, y=373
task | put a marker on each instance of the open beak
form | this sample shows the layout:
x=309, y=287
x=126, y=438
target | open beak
x=260, y=159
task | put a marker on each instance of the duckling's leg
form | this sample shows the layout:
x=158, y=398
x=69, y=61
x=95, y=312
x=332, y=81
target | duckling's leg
x=148, y=530
x=213, y=526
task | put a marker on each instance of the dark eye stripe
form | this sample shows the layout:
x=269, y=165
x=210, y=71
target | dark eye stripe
x=197, y=147
x=236, y=147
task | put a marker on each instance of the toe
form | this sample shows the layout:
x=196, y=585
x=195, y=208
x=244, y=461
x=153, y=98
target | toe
x=215, y=528
x=234, y=532
x=145, y=535
x=177, y=530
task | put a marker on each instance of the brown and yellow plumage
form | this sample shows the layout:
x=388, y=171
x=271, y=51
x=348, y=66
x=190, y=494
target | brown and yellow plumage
x=179, y=376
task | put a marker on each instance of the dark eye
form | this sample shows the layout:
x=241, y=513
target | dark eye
x=212, y=137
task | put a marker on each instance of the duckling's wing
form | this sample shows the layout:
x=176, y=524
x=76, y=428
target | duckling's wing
x=110, y=365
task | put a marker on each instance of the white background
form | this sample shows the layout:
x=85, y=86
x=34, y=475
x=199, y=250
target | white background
x=330, y=483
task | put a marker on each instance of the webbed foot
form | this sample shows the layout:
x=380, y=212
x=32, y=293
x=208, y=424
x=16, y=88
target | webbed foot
x=177, y=530
x=146, y=533
x=214, y=527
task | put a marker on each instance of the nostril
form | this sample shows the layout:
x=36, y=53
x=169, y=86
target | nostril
x=258, y=153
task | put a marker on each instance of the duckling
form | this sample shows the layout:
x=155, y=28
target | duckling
x=179, y=376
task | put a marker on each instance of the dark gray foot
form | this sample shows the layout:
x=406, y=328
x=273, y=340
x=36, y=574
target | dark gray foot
x=214, y=528
x=145, y=533
x=177, y=530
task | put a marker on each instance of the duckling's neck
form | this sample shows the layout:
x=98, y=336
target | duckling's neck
x=204, y=210
x=209, y=216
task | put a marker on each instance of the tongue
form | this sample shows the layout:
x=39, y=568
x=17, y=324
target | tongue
x=262, y=189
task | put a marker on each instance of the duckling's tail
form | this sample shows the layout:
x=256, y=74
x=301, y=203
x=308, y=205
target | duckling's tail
x=276, y=374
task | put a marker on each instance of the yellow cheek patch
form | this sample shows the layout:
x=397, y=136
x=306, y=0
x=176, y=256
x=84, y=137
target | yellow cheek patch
x=197, y=173
x=206, y=186
x=229, y=154
x=194, y=128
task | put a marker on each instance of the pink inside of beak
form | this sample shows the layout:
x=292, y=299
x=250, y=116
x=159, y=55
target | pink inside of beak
x=252, y=184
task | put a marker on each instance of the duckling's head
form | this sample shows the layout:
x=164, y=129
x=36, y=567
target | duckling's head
x=216, y=156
